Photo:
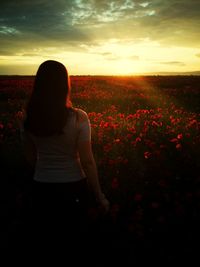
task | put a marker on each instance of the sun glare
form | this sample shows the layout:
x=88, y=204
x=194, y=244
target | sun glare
x=111, y=58
x=123, y=67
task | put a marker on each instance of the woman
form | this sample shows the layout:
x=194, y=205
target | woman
x=57, y=143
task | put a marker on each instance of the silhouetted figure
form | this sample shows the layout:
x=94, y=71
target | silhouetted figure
x=57, y=143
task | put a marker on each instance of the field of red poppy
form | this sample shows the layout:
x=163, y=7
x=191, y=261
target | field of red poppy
x=146, y=141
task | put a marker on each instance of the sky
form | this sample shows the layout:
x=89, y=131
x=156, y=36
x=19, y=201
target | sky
x=100, y=37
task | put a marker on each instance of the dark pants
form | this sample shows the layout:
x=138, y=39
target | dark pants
x=59, y=218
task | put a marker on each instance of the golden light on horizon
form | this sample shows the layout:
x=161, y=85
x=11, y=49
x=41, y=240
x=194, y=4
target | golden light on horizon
x=112, y=58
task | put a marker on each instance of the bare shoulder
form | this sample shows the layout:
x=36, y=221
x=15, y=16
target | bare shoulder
x=82, y=115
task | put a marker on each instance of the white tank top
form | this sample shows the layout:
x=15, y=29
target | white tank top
x=57, y=156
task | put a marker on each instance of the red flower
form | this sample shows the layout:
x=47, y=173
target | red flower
x=180, y=136
x=115, y=183
x=138, y=139
x=174, y=140
x=138, y=197
x=178, y=146
x=107, y=147
x=147, y=154
x=129, y=136
x=1, y=126
x=156, y=124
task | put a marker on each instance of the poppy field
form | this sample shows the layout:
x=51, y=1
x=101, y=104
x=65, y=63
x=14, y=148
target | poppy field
x=146, y=142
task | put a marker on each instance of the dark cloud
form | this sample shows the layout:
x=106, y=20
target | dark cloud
x=69, y=23
x=171, y=22
x=39, y=21
x=175, y=22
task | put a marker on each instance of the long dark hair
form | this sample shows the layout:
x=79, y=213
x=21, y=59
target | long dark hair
x=49, y=103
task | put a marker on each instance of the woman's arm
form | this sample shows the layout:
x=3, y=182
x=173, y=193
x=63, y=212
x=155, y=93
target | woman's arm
x=89, y=166
x=87, y=159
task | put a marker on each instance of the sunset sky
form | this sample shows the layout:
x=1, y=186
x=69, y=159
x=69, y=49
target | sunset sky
x=100, y=36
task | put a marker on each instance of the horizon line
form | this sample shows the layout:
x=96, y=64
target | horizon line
x=164, y=73
x=156, y=73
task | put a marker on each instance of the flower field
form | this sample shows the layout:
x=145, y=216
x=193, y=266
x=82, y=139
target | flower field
x=146, y=141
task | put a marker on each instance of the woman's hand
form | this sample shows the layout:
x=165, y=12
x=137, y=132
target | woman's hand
x=104, y=204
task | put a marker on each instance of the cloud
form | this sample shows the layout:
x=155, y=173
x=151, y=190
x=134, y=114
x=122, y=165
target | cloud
x=175, y=22
x=109, y=56
x=76, y=20
x=174, y=63
x=5, y=52
x=198, y=55
x=134, y=57
x=8, y=30
x=40, y=20
x=78, y=24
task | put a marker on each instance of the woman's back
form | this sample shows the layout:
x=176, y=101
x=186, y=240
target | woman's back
x=57, y=157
